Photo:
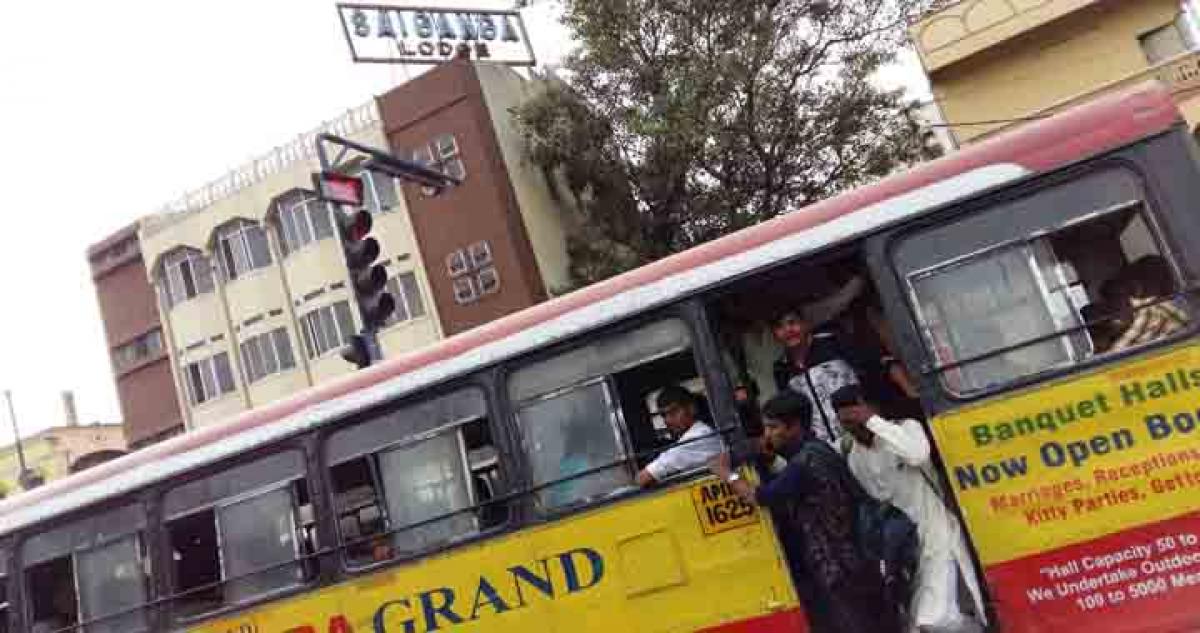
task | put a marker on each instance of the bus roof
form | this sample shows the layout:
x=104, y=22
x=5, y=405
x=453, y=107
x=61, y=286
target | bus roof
x=1102, y=125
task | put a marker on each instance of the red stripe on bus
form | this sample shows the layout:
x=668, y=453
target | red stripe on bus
x=1145, y=580
x=791, y=621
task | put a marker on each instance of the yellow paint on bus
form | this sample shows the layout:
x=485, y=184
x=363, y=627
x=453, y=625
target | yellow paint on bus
x=658, y=562
x=1080, y=458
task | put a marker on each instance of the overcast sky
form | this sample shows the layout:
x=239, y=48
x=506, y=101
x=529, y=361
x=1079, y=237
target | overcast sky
x=110, y=109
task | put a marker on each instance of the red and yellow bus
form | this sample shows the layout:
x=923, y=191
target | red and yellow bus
x=486, y=483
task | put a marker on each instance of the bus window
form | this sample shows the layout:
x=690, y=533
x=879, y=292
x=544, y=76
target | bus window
x=238, y=534
x=415, y=478
x=1041, y=282
x=583, y=416
x=91, y=571
x=4, y=610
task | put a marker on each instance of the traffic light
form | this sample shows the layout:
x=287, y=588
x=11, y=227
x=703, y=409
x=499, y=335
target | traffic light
x=368, y=279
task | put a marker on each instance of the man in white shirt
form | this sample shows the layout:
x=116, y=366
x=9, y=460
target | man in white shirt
x=696, y=444
x=890, y=460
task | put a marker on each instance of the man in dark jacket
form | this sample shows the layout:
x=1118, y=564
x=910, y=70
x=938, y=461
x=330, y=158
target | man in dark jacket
x=816, y=497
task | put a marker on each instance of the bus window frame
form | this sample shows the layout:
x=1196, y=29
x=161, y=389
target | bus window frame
x=10, y=604
x=512, y=488
x=617, y=425
x=169, y=582
x=692, y=311
x=21, y=607
x=903, y=313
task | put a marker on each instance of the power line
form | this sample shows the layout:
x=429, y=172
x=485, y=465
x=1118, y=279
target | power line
x=1027, y=119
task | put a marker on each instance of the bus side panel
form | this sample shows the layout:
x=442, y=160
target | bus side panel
x=661, y=562
x=1082, y=497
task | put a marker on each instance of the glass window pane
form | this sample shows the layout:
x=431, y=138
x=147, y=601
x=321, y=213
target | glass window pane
x=329, y=333
x=207, y=379
x=270, y=362
x=424, y=481
x=303, y=226
x=250, y=360
x=202, y=269
x=409, y=421
x=385, y=192
x=988, y=304
x=287, y=225
x=412, y=295
x=345, y=322
x=111, y=581
x=572, y=433
x=259, y=248
x=258, y=539
x=321, y=220
x=224, y=373
x=283, y=348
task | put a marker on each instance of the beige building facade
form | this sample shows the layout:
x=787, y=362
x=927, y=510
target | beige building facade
x=59, y=451
x=251, y=281
x=993, y=63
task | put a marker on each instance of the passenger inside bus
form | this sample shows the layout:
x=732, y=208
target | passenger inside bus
x=695, y=444
x=1141, y=304
x=589, y=417
x=813, y=328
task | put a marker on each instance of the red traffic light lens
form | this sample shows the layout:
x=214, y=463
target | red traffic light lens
x=342, y=189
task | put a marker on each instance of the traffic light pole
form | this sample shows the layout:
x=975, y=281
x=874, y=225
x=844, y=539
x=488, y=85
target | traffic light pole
x=341, y=190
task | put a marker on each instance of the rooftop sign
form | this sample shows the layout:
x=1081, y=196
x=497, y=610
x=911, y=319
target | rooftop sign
x=386, y=34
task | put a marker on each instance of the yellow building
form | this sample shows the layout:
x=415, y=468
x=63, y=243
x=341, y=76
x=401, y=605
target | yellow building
x=992, y=63
x=59, y=451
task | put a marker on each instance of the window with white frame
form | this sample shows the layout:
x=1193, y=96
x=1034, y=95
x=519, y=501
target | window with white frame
x=442, y=154
x=266, y=354
x=185, y=274
x=407, y=293
x=457, y=263
x=473, y=272
x=447, y=157
x=303, y=220
x=488, y=280
x=327, y=328
x=242, y=247
x=465, y=291
x=481, y=254
x=209, y=378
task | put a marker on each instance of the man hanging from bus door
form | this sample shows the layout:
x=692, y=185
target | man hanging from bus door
x=696, y=442
x=890, y=460
x=815, y=497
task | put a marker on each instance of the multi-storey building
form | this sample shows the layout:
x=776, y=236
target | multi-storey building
x=140, y=363
x=994, y=63
x=251, y=281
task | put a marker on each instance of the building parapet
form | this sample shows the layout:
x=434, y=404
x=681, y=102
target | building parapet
x=301, y=147
x=953, y=30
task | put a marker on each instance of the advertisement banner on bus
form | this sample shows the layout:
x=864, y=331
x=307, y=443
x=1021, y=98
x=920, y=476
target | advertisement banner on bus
x=1083, y=497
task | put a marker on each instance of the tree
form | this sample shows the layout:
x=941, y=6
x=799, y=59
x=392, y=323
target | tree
x=678, y=121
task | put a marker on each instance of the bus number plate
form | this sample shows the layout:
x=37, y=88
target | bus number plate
x=719, y=509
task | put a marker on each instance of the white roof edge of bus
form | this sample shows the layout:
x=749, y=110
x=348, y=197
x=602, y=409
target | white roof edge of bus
x=594, y=315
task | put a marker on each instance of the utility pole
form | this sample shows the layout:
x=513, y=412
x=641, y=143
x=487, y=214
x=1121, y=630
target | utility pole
x=27, y=478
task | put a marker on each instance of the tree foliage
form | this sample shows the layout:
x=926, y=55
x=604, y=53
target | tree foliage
x=678, y=121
